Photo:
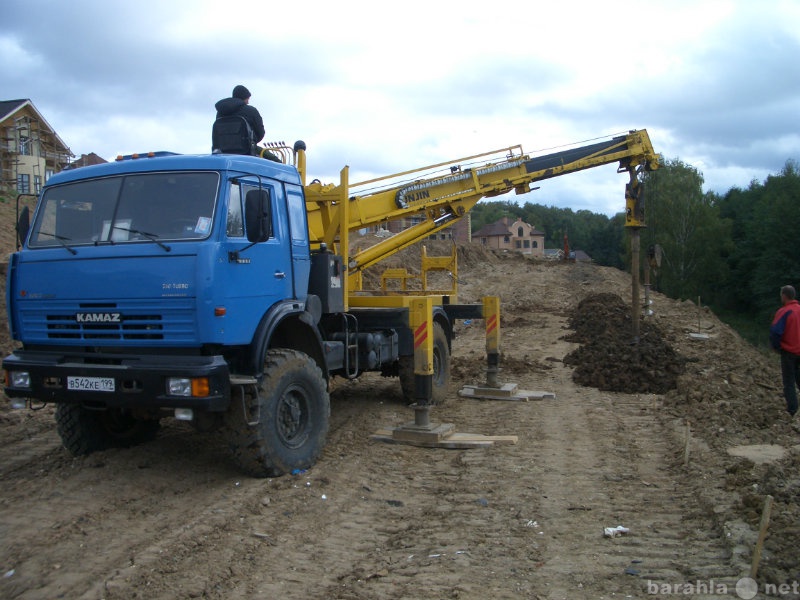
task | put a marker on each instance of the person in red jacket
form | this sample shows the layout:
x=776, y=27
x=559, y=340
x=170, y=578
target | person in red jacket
x=784, y=336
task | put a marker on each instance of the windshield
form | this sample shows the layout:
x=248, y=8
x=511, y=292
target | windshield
x=148, y=207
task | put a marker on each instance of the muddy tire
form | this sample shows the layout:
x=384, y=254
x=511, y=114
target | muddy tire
x=85, y=431
x=441, y=370
x=292, y=411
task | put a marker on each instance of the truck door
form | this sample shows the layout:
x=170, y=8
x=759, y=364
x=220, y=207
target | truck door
x=258, y=275
x=298, y=227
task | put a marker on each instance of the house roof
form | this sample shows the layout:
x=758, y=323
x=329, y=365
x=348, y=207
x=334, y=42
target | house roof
x=9, y=107
x=88, y=159
x=581, y=255
x=490, y=229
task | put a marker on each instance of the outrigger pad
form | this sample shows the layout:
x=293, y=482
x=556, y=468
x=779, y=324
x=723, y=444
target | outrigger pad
x=438, y=438
x=507, y=391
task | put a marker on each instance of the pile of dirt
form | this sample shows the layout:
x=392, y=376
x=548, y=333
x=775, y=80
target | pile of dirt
x=609, y=357
x=470, y=255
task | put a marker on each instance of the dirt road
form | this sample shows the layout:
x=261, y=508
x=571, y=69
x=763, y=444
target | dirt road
x=174, y=518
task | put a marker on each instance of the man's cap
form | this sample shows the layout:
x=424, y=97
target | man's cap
x=241, y=92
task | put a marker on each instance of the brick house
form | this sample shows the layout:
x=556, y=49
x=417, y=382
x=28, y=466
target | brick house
x=516, y=236
x=30, y=149
x=88, y=159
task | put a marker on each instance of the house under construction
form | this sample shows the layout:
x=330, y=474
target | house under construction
x=30, y=149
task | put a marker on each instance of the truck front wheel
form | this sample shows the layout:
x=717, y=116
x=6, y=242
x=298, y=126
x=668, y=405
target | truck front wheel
x=285, y=427
x=84, y=431
x=441, y=369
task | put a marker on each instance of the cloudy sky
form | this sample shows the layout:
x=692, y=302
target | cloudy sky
x=388, y=86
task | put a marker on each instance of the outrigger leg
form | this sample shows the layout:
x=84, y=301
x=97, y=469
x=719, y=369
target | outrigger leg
x=421, y=432
x=494, y=390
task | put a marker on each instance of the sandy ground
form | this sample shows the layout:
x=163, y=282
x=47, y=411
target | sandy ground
x=175, y=519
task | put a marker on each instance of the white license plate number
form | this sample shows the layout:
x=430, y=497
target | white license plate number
x=91, y=384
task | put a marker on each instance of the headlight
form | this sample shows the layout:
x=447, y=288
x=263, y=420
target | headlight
x=20, y=379
x=179, y=386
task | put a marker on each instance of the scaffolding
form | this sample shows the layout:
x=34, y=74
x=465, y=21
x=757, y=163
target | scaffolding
x=28, y=148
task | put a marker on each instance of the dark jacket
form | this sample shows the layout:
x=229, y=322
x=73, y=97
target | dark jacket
x=784, y=333
x=236, y=106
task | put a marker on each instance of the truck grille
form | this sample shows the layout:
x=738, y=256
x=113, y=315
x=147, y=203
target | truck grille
x=130, y=327
x=137, y=321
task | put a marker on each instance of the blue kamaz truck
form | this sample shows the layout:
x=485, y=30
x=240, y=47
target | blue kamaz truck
x=224, y=290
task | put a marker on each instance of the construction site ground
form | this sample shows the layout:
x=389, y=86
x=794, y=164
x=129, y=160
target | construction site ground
x=646, y=479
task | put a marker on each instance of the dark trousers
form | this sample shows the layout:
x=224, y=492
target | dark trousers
x=790, y=365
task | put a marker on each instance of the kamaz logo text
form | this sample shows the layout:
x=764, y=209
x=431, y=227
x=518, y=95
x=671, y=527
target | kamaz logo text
x=98, y=318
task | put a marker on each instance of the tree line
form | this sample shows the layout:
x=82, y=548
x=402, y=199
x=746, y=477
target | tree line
x=733, y=251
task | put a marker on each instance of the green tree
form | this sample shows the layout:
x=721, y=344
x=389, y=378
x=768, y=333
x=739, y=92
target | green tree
x=687, y=225
x=738, y=207
x=774, y=227
x=486, y=212
x=606, y=243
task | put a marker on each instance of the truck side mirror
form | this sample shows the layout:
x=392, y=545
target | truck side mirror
x=23, y=225
x=256, y=216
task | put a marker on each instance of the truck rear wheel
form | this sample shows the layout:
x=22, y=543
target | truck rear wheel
x=441, y=369
x=292, y=411
x=84, y=431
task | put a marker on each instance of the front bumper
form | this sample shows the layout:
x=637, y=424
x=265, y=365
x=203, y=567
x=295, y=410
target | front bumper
x=139, y=380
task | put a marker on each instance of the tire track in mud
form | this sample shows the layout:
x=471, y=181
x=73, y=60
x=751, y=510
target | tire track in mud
x=85, y=518
x=608, y=460
x=119, y=521
x=602, y=460
x=29, y=437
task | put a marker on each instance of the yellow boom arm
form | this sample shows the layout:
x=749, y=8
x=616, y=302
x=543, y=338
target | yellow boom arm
x=439, y=201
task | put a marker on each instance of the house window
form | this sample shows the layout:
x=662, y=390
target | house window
x=519, y=244
x=520, y=232
x=48, y=174
x=528, y=243
x=24, y=145
x=535, y=244
x=24, y=183
x=506, y=239
x=484, y=241
x=37, y=183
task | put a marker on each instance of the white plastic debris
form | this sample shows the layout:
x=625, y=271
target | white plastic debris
x=611, y=532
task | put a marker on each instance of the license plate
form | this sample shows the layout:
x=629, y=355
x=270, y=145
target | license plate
x=91, y=384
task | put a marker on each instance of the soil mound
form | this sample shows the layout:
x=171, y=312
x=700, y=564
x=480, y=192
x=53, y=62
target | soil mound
x=610, y=359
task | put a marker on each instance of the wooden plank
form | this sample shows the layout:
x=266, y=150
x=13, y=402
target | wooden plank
x=453, y=441
x=504, y=393
x=762, y=534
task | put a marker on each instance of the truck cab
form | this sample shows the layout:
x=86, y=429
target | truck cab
x=155, y=283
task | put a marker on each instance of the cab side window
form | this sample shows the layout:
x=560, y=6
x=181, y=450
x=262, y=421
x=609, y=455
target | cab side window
x=235, y=222
x=235, y=227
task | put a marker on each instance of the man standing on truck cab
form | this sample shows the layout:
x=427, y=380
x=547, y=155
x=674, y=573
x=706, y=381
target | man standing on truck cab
x=784, y=336
x=239, y=104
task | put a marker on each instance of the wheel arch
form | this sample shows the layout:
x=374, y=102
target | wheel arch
x=286, y=325
x=441, y=317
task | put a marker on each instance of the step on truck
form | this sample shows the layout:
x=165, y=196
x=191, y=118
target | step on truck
x=221, y=289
